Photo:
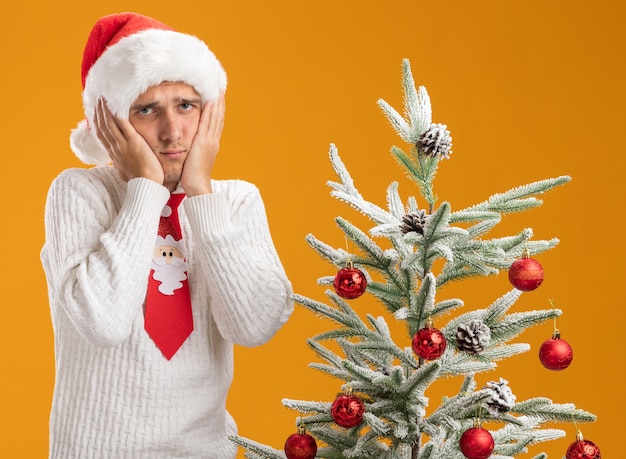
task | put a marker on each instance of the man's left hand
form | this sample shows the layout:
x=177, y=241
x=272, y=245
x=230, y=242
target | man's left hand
x=196, y=175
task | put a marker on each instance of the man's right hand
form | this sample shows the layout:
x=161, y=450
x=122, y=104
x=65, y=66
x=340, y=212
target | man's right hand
x=130, y=153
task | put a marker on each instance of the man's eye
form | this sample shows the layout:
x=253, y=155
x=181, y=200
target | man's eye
x=145, y=111
x=186, y=107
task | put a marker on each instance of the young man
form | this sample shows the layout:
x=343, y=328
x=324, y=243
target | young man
x=154, y=269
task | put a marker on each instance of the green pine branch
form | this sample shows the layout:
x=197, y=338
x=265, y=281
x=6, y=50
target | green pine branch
x=519, y=198
x=255, y=450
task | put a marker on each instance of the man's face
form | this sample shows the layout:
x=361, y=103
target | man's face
x=167, y=117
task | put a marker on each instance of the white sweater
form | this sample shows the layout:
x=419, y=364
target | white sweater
x=115, y=394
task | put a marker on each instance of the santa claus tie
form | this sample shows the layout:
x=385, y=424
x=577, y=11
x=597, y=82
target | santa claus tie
x=168, y=316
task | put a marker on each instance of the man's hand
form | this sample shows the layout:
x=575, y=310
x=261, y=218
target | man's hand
x=129, y=152
x=196, y=176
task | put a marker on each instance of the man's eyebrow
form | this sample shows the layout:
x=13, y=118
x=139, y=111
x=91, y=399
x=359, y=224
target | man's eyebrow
x=144, y=106
x=178, y=100
x=185, y=100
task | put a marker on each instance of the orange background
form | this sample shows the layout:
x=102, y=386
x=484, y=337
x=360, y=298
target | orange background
x=529, y=89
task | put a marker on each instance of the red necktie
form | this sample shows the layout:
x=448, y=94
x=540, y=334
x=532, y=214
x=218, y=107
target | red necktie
x=168, y=317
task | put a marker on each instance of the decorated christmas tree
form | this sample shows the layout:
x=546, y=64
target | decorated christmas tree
x=413, y=249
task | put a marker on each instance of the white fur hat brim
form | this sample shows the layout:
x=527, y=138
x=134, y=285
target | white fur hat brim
x=137, y=62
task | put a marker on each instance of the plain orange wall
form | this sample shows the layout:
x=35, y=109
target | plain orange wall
x=529, y=89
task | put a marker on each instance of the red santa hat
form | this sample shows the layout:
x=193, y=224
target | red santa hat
x=126, y=54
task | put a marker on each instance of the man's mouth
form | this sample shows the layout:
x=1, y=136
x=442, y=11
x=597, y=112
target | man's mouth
x=173, y=153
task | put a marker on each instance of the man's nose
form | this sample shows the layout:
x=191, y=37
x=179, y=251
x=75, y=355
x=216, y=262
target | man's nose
x=171, y=130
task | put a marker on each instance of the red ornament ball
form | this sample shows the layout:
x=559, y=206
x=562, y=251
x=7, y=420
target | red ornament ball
x=300, y=446
x=476, y=443
x=526, y=274
x=350, y=283
x=556, y=353
x=347, y=411
x=429, y=343
x=583, y=449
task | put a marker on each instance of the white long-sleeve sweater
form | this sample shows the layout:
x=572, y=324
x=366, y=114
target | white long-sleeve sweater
x=115, y=394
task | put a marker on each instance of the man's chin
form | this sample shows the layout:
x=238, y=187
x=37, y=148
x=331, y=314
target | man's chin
x=172, y=180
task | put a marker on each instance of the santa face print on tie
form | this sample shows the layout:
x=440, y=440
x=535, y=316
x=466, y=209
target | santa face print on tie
x=169, y=264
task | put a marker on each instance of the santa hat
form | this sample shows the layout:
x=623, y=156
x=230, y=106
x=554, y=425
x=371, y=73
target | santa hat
x=126, y=54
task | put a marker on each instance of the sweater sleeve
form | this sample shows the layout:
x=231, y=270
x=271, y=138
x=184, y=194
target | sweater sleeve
x=96, y=258
x=250, y=292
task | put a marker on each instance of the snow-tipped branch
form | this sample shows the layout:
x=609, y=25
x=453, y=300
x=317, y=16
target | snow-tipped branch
x=257, y=450
x=544, y=409
x=514, y=324
x=519, y=198
x=417, y=108
x=422, y=171
x=343, y=316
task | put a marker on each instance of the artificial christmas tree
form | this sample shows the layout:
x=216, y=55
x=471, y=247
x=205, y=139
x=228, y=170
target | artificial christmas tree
x=425, y=247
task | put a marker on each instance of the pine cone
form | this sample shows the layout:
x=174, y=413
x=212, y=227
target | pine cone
x=473, y=337
x=413, y=222
x=436, y=141
x=502, y=398
x=384, y=370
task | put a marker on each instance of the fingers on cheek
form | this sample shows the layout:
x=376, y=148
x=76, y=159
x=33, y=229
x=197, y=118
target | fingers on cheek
x=106, y=137
x=106, y=127
x=104, y=141
x=100, y=126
